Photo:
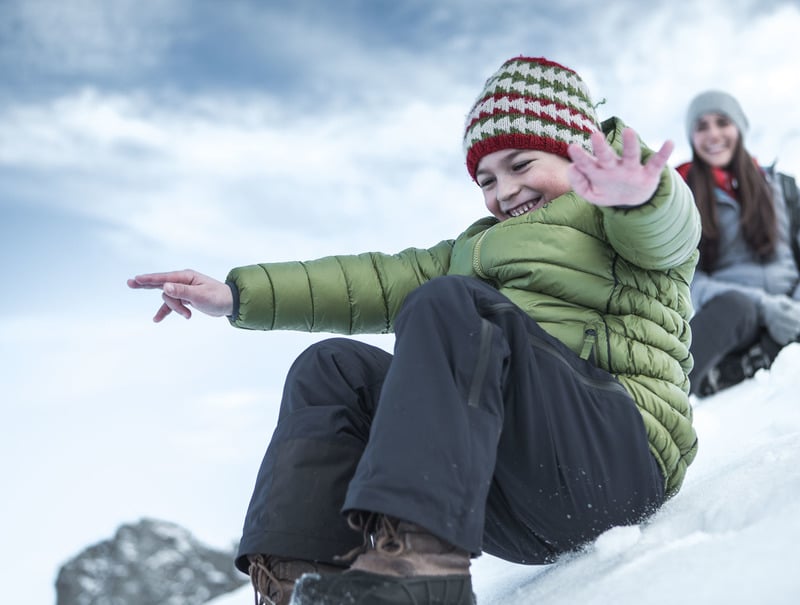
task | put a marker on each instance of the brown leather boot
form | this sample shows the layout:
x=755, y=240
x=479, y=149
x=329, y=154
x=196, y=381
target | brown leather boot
x=404, y=549
x=273, y=578
x=399, y=564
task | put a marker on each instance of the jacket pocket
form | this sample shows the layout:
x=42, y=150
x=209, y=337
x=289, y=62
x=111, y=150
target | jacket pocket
x=484, y=354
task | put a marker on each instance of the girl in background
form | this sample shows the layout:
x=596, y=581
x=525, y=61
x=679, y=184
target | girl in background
x=745, y=290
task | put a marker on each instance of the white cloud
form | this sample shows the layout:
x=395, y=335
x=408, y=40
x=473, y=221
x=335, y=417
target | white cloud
x=202, y=170
x=86, y=36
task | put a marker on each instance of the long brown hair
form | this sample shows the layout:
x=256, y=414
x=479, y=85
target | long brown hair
x=757, y=216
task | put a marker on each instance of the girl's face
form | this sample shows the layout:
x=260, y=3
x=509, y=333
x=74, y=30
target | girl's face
x=517, y=181
x=714, y=139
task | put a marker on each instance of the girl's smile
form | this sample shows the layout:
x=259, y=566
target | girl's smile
x=714, y=139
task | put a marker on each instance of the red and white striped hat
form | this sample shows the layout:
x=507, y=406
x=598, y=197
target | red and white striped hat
x=529, y=103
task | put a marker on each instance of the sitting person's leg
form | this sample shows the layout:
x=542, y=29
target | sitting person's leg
x=740, y=365
x=294, y=522
x=479, y=400
x=724, y=329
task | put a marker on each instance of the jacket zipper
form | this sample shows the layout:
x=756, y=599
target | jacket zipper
x=589, y=341
x=476, y=257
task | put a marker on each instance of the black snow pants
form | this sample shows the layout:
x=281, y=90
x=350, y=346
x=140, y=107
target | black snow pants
x=481, y=427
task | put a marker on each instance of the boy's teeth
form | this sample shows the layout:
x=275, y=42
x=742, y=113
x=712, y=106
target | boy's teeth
x=520, y=210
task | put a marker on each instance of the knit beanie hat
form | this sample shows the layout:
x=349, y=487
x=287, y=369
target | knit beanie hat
x=529, y=103
x=715, y=101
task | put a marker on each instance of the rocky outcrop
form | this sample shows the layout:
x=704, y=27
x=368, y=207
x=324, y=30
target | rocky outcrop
x=147, y=563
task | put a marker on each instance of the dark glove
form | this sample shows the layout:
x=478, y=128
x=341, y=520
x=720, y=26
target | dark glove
x=781, y=316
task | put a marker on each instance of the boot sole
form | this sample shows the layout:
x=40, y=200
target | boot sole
x=362, y=588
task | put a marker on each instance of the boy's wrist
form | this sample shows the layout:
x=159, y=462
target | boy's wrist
x=234, y=300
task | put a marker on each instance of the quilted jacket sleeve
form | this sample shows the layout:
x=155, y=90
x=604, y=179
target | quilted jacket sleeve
x=353, y=294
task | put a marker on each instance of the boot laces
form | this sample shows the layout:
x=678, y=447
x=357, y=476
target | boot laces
x=267, y=587
x=379, y=532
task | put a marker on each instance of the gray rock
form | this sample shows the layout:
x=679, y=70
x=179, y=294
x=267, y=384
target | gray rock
x=148, y=563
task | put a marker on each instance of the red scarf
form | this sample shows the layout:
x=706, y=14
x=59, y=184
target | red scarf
x=722, y=178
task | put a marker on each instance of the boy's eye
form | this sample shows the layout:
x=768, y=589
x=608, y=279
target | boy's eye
x=520, y=165
x=484, y=183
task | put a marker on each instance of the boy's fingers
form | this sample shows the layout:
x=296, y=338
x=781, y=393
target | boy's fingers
x=631, y=152
x=162, y=312
x=659, y=159
x=580, y=157
x=156, y=280
x=137, y=285
x=578, y=180
x=602, y=151
x=665, y=151
x=179, y=291
x=176, y=305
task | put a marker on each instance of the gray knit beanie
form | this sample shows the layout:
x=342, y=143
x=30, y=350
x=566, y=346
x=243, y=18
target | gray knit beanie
x=715, y=101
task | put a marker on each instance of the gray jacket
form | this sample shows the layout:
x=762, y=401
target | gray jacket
x=737, y=267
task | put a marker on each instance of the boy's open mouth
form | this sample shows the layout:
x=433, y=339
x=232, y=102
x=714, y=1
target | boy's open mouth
x=525, y=207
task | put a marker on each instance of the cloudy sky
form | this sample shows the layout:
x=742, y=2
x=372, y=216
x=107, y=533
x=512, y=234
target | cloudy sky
x=140, y=137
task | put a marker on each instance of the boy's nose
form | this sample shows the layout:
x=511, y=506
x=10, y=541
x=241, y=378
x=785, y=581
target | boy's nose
x=507, y=189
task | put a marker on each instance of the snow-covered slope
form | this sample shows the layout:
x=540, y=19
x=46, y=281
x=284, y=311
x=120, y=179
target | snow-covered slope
x=731, y=536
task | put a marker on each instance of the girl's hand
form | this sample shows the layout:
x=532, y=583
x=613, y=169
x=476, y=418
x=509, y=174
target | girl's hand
x=606, y=179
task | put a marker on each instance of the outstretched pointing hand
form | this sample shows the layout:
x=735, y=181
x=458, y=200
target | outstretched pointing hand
x=182, y=289
x=606, y=179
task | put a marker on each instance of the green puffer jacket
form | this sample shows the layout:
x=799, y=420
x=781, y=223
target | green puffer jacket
x=611, y=283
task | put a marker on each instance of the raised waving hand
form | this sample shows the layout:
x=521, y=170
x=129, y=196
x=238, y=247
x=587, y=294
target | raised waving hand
x=607, y=179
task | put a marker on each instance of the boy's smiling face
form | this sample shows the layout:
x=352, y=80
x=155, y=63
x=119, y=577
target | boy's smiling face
x=517, y=181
